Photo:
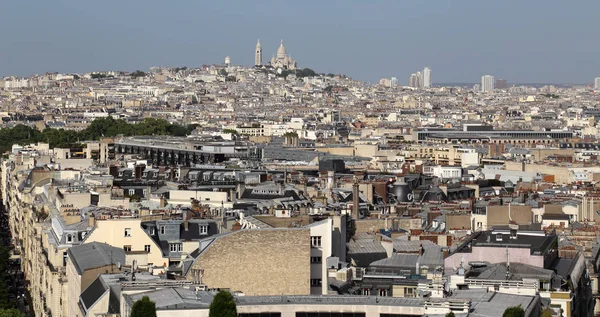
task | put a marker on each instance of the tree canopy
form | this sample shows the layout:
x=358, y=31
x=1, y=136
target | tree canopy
x=230, y=131
x=303, y=72
x=291, y=134
x=101, y=127
x=143, y=308
x=138, y=73
x=547, y=312
x=97, y=76
x=514, y=311
x=450, y=314
x=5, y=303
x=222, y=305
x=13, y=312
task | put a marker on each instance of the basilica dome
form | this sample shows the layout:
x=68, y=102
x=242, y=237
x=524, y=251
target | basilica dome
x=281, y=51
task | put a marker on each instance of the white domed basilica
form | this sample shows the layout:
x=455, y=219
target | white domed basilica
x=281, y=60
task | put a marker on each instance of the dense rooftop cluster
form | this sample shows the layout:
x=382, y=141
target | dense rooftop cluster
x=303, y=194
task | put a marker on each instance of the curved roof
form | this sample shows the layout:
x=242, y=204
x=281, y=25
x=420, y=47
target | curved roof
x=281, y=51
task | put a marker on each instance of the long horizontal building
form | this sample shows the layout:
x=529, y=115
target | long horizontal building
x=187, y=302
x=175, y=151
x=489, y=136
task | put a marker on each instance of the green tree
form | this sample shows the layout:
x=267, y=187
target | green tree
x=138, y=73
x=230, y=131
x=291, y=134
x=10, y=313
x=101, y=127
x=450, y=314
x=514, y=311
x=97, y=76
x=143, y=308
x=547, y=312
x=222, y=305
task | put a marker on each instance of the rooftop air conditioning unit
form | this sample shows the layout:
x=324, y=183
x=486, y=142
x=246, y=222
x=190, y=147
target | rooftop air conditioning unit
x=200, y=288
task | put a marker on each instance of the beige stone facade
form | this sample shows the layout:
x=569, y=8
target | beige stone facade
x=258, y=262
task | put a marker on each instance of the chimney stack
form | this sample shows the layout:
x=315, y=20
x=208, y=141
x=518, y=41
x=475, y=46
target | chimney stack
x=355, y=199
x=92, y=220
x=185, y=220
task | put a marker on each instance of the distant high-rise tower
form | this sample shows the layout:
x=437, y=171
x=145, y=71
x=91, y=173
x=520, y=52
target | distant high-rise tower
x=419, y=80
x=412, y=81
x=597, y=83
x=426, y=77
x=393, y=82
x=487, y=83
x=258, y=54
x=501, y=84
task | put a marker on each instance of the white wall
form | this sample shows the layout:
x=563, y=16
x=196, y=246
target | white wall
x=213, y=199
x=112, y=232
x=324, y=230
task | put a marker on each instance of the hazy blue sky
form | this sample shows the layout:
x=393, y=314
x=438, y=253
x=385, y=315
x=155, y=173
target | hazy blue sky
x=519, y=40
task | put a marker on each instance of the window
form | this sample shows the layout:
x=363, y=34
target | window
x=383, y=292
x=499, y=237
x=69, y=238
x=315, y=282
x=203, y=229
x=128, y=232
x=131, y=192
x=152, y=231
x=409, y=292
x=145, y=192
x=127, y=248
x=162, y=230
x=315, y=259
x=315, y=242
x=175, y=247
x=147, y=248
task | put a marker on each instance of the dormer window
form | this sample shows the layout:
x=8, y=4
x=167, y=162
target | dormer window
x=203, y=229
x=162, y=230
x=175, y=247
x=152, y=231
x=499, y=237
x=69, y=238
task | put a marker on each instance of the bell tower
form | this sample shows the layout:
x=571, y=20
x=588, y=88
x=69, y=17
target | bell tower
x=258, y=54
